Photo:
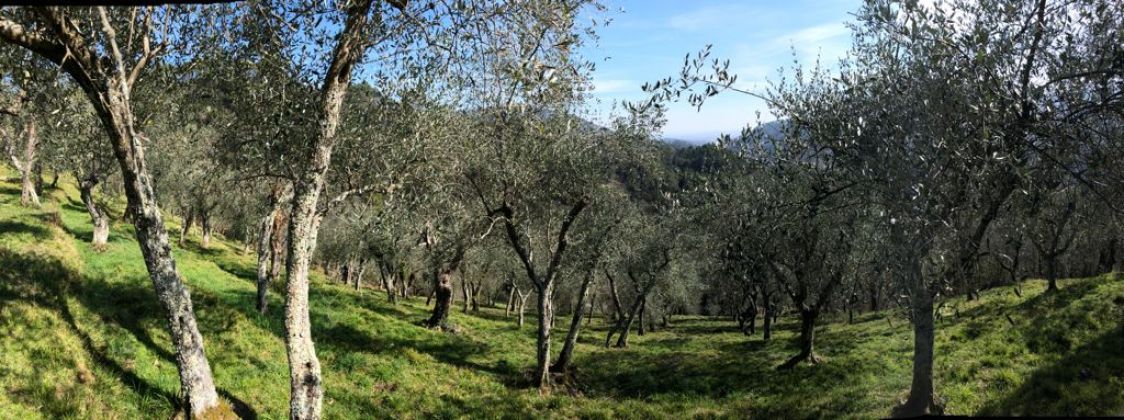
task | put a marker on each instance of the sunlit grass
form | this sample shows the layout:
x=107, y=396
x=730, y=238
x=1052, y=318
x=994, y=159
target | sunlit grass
x=81, y=335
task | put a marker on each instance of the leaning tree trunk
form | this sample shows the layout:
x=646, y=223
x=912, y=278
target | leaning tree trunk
x=98, y=216
x=108, y=92
x=626, y=324
x=565, y=356
x=196, y=380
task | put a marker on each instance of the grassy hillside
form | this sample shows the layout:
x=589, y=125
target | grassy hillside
x=81, y=336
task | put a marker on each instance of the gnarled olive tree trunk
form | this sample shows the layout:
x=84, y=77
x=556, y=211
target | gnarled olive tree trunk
x=443, y=291
x=98, y=216
x=28, y=196
x=25, y=164
x=270, y=239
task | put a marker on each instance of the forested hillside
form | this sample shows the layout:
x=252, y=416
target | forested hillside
x=390, y=208
x=81, y=341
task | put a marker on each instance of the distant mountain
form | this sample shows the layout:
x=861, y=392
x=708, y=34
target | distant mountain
x=772, y=129
x=679, y=143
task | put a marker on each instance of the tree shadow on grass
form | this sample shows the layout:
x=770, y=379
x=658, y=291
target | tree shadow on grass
x=48, y=283
x=1080, y=384
x=15, y=228
x=688, y=375
x=10, y=191
x=1067, y=293
x=448, y=349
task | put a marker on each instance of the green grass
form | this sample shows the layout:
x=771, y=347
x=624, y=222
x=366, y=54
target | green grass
x=81, y=335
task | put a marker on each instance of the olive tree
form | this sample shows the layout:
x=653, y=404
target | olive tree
x=106, y=68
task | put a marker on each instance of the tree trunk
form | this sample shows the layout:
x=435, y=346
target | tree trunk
x=265, y=252
x=618, y=315
x=26, y=164
x=1051, y=272
x=110, y=100
x=306, y=391
x=807, y=340
x=640, y=324
x=98, y=216
x=474, y=290
x=388, y=282
x=565, y=356
x=767, y=323
x=873, y=298
x=748, y=318
x=921, y=398
x=360, y=268
x=592, y=304
x=305, y=380
x=444, y=293
x=345, y=272
x=522, y=306
x=464, y=293
x=1108, y=256
x=205, y=224
x=510, y=302
x=542, y=344
x=108, y=90
x=623, y=330
x=851, y=312
x=626, y=325
x=186, y=228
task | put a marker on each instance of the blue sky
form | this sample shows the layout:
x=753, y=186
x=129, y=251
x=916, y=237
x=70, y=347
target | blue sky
x=647, y=39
